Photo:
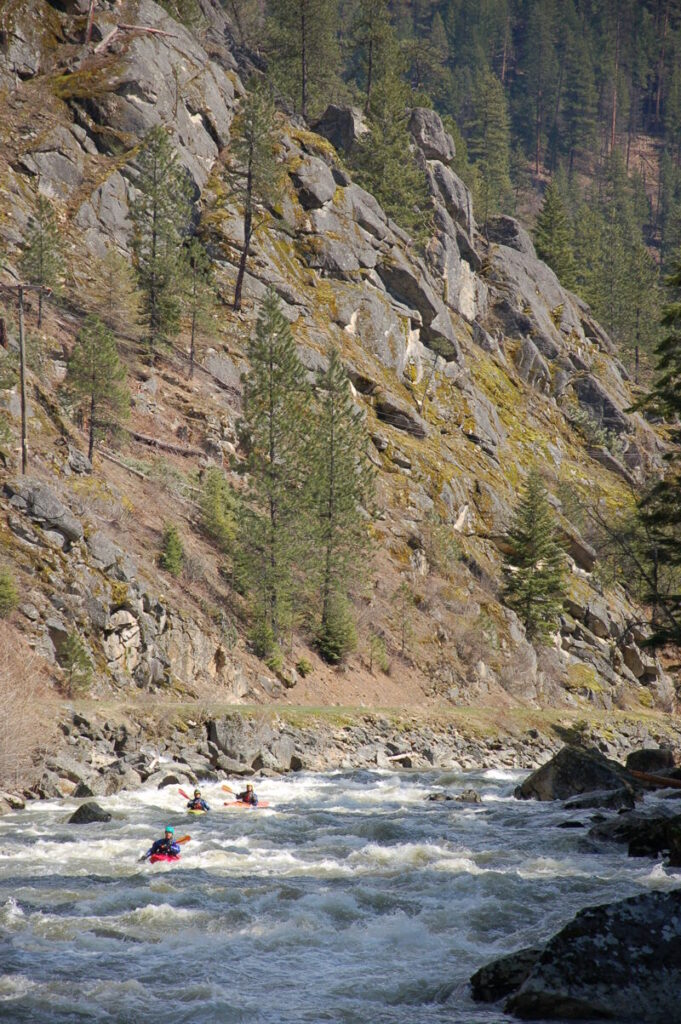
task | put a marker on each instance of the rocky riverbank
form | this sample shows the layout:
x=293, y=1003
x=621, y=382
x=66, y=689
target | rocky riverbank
x=101, y=755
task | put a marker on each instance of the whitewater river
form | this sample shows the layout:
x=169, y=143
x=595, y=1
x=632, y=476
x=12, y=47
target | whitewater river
x=350, y=900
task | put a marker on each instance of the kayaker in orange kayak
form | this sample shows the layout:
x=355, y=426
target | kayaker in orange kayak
x=248, y=796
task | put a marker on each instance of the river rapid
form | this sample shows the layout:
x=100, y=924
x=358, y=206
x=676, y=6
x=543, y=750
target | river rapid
x=349, y=900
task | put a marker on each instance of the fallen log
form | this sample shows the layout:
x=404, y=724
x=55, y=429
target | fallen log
x=656, y=780
x=166, y=446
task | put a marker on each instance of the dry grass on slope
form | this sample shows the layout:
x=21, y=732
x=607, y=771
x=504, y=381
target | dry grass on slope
x=27, y=708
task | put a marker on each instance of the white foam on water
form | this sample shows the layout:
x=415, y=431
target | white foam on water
x=13, y=986
x=350, y=895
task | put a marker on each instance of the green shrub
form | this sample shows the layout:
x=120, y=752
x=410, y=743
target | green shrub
x=337, y=635
x=303, y=667
x=378, y=653
x=75, y=660
x=218, y=509
x=172, y=551
x=9, y=597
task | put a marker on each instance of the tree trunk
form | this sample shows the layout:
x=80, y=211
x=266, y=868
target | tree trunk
x=613, y=116
x=303, y=61
x=248, y=228
x=370, y=74
x=91, y=445
x=22, y=377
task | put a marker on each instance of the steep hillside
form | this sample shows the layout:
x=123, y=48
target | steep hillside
x=471, y=363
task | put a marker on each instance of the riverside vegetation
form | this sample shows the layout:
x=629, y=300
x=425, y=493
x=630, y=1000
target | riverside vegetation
x=332, y=422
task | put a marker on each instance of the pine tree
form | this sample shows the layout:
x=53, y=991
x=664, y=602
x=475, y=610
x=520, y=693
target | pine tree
x=75, y=660
x=41, y=260
x=534, y=570
x=274, y=428
x=219, y=509
x=199, y=295
x=254, y=175
x=488, y=144
x=304, y=51
x=96, y=378
x=160, y=216
x=342, y=482
x=172, y=550
x=660, y=509
x=383, y=160
x=552, y=236
x=370, y=32
x=113, y=294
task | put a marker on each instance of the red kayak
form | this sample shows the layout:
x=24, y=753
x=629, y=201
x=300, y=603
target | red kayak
x=167, y=857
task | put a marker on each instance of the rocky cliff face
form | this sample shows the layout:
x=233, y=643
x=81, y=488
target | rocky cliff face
x=471, y=362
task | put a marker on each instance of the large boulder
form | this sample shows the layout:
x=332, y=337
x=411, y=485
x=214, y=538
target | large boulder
x=619, y=962
x=651, y=759
x=342, y=126
x=646, y=835
x=39, y=501
x=574, y=770
x=314, y=182
x=501, y=977
x=89, y=813
x=430, y=136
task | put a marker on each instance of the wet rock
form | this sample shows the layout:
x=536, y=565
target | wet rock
x=605, y=799
x=654, y=760
x=572, y=771
x=500, y=978
x=620, y=961
x=469, y=796
x=646, y=834
x=89, y=813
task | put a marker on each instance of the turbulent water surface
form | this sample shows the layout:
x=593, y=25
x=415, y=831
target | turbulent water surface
x=349, y=900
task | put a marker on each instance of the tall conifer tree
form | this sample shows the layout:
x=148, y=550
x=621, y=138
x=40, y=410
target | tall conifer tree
x=304, y=49
x=488, y=144
x=534, y=569
x=273, y=532
x=160, y=216
x=552, y=236
x=254, y=175
x=96, y=377
x=41, y=260
x=341, y=485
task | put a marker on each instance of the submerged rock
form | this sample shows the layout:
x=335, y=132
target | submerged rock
x=504, y=976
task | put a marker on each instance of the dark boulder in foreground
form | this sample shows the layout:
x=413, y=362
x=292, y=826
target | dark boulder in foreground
x=88, y=813
x=619, y=962
x=504, y=976
x=575, y=770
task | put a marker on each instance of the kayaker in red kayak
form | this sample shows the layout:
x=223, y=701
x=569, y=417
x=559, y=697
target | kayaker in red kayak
x=248, y=796
x=198, y=804
x=166, y=846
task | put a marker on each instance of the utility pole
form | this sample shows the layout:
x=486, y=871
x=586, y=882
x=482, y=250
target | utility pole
x=20, y=289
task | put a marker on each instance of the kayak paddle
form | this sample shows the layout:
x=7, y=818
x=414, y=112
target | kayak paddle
x=228, y=789
x=185, y=795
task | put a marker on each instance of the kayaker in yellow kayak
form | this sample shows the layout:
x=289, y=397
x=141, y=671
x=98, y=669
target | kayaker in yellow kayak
x=197, y=803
